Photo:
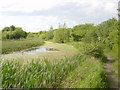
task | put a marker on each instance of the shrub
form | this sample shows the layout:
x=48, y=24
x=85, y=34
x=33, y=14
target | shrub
x=94, y=49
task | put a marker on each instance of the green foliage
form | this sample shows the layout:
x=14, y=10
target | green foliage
x=66, y=35
x=5, y=35
x=15, y=45
x=30, y=35
x=12, y=28
x=58, y=36
x=80, y=31
x=95, y=50
x=61, y=35
x=90, y=37
x=36, y=74
x=43, y=36
x=6, y=29
x=91, y=41
x=115, y=64
x=13, y=33
x=43, y=74
x=90, y=74
x=106, y=34
x=91, y=49
x=49, y=35
x=18, y=33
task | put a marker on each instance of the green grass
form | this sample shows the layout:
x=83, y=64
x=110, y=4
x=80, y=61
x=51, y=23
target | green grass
x=62, y=47
x=90, y=74
x=77, y=71
x=115, y=64
x=112, y=53
x=36, y=74
x=53, y=56
x=43, y=74
x=17, y=45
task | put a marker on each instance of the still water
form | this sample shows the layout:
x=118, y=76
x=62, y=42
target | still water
x=40, y=50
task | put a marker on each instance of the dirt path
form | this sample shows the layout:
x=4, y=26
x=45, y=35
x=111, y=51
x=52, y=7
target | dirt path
x=109, y=68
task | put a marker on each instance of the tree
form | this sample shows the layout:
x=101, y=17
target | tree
x=30, y=35
x=19, y=33
x=79, y=32
x=12, y=28
x=6, y=29
x=66, y=35
x=49, y=35
x=59, y=36
x=5, y=35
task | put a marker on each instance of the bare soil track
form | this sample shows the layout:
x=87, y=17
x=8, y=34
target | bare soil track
x=111, y=77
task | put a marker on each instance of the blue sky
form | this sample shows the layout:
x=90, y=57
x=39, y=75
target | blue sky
x=39, y=15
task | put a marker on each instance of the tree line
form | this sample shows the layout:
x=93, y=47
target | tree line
x=13, y=32
x=105, y=33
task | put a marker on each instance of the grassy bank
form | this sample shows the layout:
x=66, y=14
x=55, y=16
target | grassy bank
x=17, y=45
x=113, y=54
x=64, y=50
x=43, y=74
x=90, y=74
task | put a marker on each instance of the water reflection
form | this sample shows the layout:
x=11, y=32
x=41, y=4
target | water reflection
x=39, y=50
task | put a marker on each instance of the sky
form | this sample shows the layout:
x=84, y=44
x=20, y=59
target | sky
x=39, y=15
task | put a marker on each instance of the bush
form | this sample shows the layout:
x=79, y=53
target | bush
x=61, y=35
x=94, y=49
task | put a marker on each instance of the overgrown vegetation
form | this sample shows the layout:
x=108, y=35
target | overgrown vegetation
x=90, y=74
x=17, y=45
x=106, y=34
x=13, y=33
x=43, y=74
x=84, y=70
x=91, y=49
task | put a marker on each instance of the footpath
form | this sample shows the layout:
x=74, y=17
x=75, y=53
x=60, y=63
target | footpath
x=111, y=77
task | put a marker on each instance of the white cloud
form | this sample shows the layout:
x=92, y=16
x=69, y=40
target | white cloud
x=36, y=15
x=27, y=5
